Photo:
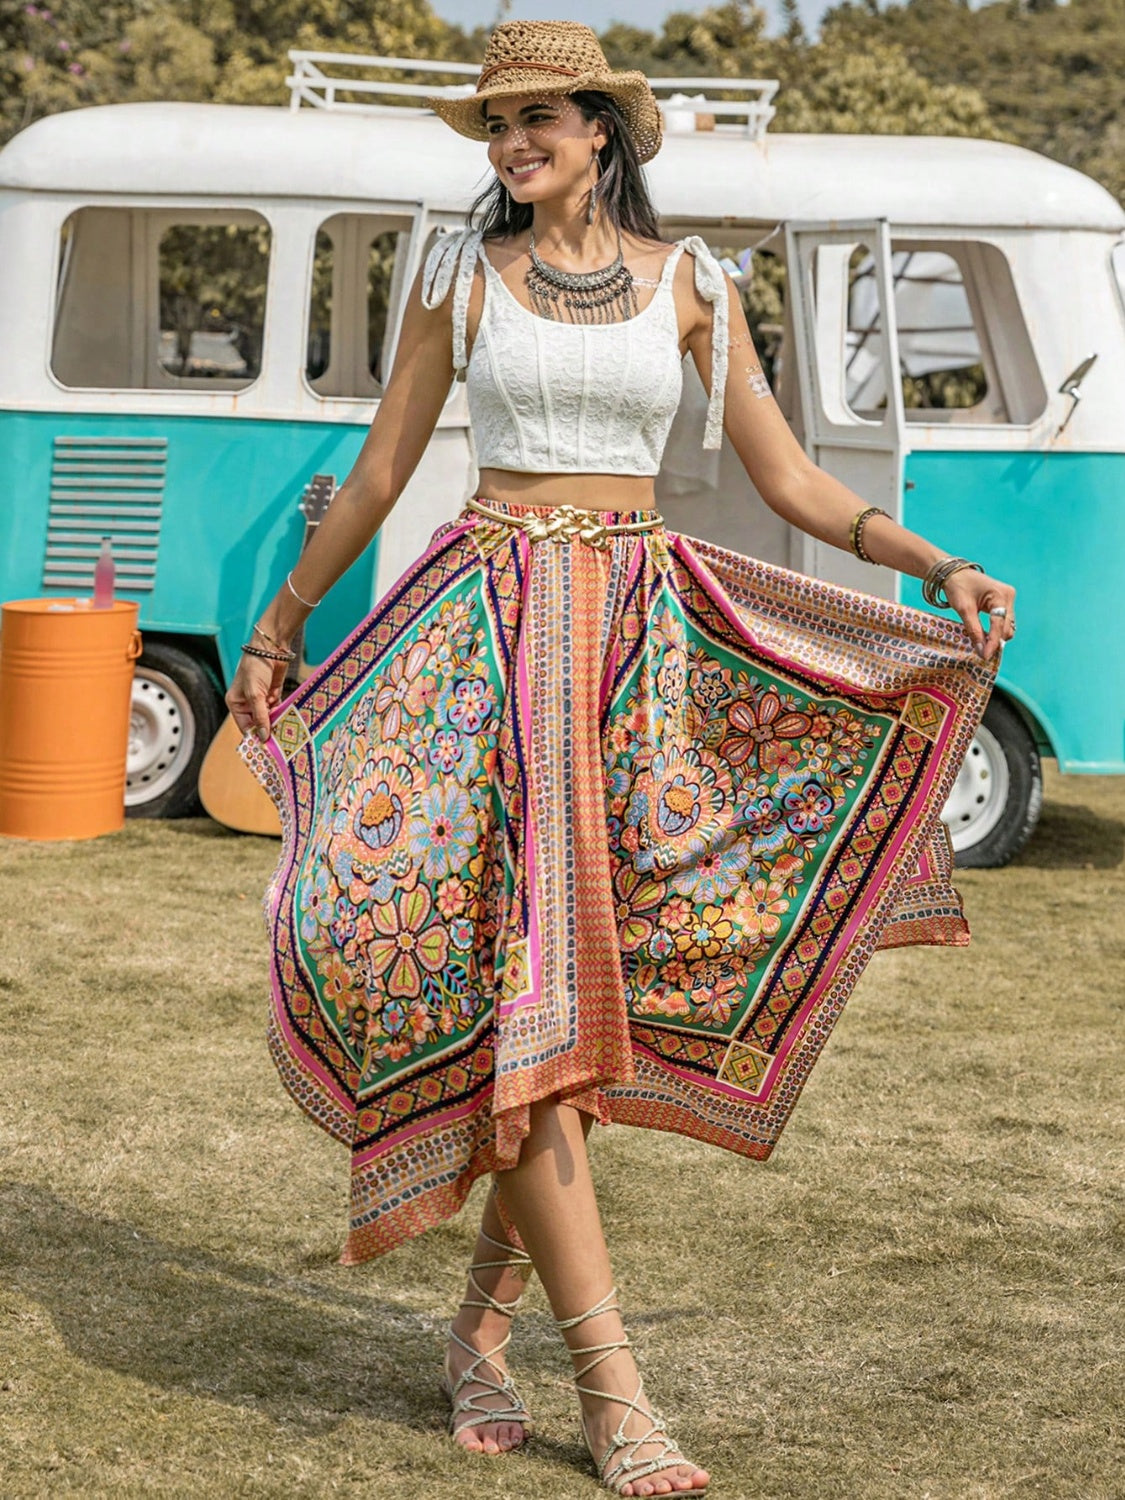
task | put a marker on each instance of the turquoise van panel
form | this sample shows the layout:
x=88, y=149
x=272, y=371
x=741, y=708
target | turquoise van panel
x=1052, y=524
x=230, y=529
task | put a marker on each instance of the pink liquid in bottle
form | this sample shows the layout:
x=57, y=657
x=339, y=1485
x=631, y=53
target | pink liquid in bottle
x=104, y=573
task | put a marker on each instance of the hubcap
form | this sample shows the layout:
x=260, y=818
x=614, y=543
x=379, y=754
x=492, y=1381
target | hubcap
x=980, y=793
x=161, y=736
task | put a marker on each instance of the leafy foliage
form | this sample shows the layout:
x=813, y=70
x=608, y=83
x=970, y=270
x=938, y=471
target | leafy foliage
x=830, y=85
x=1045, y=75
x=1050, y=75
x=79, y=52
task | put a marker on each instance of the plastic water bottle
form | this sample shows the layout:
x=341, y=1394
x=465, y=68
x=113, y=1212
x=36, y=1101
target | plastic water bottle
x=104, y=573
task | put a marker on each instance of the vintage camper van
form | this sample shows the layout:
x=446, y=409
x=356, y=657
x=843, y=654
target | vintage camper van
x=199, y=305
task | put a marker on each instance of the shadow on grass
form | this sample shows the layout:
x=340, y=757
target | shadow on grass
x=207, y=828
x=1074, y=838
x=185, y=1320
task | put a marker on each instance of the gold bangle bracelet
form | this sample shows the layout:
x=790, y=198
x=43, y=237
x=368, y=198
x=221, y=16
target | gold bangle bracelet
x=933, y=584
x=855, y=535
x=278, y=645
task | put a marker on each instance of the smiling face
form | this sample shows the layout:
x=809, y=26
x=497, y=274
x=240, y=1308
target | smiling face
x=542, y=147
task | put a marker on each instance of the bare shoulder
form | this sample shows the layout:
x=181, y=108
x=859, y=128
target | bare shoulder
x=646, y=257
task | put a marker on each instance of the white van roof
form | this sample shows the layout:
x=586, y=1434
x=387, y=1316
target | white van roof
x=242, y=152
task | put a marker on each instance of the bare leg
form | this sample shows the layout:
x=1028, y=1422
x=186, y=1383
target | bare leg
x=483, y=1328
x=550, y=1197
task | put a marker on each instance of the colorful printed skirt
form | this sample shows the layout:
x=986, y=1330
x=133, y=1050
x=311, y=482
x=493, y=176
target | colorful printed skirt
x=612, y=815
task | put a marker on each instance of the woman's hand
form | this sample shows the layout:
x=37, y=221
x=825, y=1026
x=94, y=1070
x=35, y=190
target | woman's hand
x=973, y=594
x=255, y=689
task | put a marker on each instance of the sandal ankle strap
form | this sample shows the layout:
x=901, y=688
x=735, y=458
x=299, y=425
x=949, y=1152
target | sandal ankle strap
x=515, y=1258
x=601, y=1352
x=608, y=1303
x=513, y=1255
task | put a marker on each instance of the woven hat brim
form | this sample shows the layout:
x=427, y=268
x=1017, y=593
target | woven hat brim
x=631, y=91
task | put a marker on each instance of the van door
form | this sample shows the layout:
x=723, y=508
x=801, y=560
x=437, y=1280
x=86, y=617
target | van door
x=446, y=475
x=841, y=298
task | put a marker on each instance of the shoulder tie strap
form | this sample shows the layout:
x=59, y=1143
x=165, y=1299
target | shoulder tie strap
x=452, y=263
x=711, y=284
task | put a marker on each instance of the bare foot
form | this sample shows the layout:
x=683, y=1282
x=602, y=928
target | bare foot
x=483, y=1330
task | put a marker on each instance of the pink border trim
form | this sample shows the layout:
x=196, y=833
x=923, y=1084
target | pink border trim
x=431, y=1122
x=712, y=1085
x=309, y=1063
x=505, y=1008
x=609, y=671
x=683, y=547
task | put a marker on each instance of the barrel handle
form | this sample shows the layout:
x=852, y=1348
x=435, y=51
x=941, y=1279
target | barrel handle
x=136, y=646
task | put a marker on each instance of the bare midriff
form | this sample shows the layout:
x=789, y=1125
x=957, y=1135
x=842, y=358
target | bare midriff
x=583, y=491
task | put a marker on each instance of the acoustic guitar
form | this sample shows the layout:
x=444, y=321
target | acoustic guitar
x=229, y=791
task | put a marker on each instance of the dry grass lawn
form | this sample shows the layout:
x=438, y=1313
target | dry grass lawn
x=914, y=1298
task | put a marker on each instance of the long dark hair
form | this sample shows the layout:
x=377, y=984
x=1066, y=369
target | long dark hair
x=621, y=192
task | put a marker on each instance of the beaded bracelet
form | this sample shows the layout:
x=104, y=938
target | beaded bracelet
x=933, y=585
x=855, y=536
x=249, y=650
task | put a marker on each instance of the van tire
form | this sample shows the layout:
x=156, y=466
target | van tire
x=176, y=711
x=995, y=803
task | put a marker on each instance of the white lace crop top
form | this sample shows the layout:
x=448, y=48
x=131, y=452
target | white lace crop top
x=553, y=398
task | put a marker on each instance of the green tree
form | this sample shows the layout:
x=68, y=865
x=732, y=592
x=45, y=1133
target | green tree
x=81, y=52
x=1050, y=75
x=830, y=85
x=837, y=88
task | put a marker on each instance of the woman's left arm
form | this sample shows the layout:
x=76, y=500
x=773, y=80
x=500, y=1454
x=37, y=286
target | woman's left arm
x=807, y=497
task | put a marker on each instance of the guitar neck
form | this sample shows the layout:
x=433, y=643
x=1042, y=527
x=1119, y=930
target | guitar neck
x=297, y=644
x=315, y=501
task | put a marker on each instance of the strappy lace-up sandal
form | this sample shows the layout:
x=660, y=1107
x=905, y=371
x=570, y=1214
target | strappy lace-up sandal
x=466, y=1412
x=619, y=1464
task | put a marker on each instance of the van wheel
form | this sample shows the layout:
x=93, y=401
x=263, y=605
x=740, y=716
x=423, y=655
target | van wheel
x=996, y=798
x=175, y=713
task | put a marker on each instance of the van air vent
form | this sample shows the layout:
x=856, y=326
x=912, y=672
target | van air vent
x=110, y=487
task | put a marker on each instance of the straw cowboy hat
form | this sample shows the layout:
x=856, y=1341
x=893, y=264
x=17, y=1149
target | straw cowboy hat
x=553, y=57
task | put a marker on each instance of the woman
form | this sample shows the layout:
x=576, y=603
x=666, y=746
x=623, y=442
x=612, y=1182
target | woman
x=588, y=820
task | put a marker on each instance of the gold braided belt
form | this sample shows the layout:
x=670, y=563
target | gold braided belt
x=565, y=523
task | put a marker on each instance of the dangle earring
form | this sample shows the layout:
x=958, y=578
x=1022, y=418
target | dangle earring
x=591, y=199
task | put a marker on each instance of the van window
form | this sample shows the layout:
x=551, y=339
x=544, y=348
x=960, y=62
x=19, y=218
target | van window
x=964, y=350
x=358, y=267
x=155, y=299
x=213, y=300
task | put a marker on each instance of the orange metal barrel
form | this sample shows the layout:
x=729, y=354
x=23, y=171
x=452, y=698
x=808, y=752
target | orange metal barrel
x=66, y=672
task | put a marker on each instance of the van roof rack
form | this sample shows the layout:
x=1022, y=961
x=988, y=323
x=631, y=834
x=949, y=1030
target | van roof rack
x=316, y=82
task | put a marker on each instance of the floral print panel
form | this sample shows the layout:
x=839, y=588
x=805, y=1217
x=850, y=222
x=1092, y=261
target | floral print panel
x=618, y=823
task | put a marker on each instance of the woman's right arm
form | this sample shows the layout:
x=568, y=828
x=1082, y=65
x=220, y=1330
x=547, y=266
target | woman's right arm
x=403, y=425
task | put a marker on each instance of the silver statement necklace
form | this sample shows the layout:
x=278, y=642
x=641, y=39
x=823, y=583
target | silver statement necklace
x=606, y=295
